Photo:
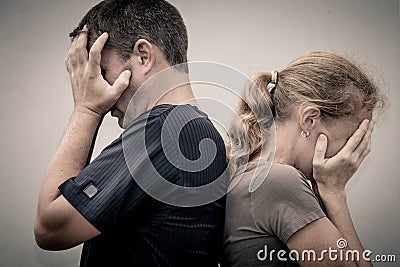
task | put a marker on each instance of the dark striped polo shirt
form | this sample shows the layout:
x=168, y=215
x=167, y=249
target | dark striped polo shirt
x=136, y=228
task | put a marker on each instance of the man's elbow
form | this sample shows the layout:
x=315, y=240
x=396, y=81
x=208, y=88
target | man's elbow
x=47, y=238
x=44, y=238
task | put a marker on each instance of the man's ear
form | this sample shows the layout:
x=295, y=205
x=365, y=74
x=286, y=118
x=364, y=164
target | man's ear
x=144, y=56
x=309, y=118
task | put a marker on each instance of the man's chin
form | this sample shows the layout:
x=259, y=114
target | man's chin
x=121, y=123
x=119, y=116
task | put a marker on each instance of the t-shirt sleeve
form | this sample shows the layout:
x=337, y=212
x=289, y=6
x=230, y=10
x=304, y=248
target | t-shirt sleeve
x=285, y=203
x=105, y=192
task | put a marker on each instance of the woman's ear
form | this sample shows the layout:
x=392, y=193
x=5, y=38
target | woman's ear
x=144, y=56
x=309, y=118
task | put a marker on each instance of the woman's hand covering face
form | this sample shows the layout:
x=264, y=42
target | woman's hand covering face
x=332, y=174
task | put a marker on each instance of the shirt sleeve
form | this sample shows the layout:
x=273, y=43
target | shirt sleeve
x=105, y=192
x=285, y=203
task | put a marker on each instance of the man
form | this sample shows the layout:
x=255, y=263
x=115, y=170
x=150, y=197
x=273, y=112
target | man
x=116, y=48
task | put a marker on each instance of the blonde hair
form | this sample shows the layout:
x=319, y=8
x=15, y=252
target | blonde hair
x=332, y=83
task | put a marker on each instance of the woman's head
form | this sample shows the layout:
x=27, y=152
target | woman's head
x=314, y=94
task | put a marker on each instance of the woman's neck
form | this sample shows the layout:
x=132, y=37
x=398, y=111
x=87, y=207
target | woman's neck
x=285, y=144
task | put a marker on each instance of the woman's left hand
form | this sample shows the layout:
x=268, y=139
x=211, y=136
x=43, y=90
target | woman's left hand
x=332, y=174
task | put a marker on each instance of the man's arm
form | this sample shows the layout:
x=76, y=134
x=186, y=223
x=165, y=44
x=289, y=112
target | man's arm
x=332, y=175
x=56, y=219
x=58, y=225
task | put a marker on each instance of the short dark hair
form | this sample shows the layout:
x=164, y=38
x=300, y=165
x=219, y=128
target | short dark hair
x=127, y=21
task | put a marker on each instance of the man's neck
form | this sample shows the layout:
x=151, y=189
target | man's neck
x=178, y=96
x=168, y=86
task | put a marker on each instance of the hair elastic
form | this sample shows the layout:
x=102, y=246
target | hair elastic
x=274, y=80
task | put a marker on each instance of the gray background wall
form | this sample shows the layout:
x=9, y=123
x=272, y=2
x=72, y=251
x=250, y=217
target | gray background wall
x=250, y=36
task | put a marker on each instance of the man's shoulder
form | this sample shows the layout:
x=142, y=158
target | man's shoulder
x=175, y=118
x=185, y=123
x=177, y=112
x=169, y=112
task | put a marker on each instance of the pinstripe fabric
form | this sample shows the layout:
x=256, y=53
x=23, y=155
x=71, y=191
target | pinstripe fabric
x=138, y=230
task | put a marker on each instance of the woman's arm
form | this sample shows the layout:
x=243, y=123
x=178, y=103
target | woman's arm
x=331, y=176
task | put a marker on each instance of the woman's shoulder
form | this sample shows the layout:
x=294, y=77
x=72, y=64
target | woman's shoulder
x=284, y=173
x=285, y=202
x=285, y=179
x=285, y=169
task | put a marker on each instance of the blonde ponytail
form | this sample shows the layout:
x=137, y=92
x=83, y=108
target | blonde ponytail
x=248, y=133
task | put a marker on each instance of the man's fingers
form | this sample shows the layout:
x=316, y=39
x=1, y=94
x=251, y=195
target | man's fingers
x=66, y=60
x=95, y=52
x=320, y=150
x=70, y=60
x=355, y=139
x=81, y=43
x=120, y=84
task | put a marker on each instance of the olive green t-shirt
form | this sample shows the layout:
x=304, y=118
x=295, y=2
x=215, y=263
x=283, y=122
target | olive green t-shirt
x=263, y=210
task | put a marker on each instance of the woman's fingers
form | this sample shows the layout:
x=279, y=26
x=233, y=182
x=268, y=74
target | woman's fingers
x=320, y=151
x=334, y=173
x=355, y=139
x=365, y=146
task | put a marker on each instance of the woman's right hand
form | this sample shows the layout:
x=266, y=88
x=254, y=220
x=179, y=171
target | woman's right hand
x=332, y=174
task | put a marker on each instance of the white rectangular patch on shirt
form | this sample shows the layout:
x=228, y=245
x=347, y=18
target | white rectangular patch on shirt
x=90, y=190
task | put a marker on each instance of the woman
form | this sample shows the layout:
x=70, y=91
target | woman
x=297, y=212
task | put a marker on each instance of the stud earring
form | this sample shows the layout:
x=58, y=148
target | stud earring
x=304, y=134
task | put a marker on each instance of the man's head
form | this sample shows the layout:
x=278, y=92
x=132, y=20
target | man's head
x=145, y=36
x=127, y=21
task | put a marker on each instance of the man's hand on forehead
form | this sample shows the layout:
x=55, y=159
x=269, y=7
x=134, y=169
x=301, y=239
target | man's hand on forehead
x=92, y=94
x=92, y=36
